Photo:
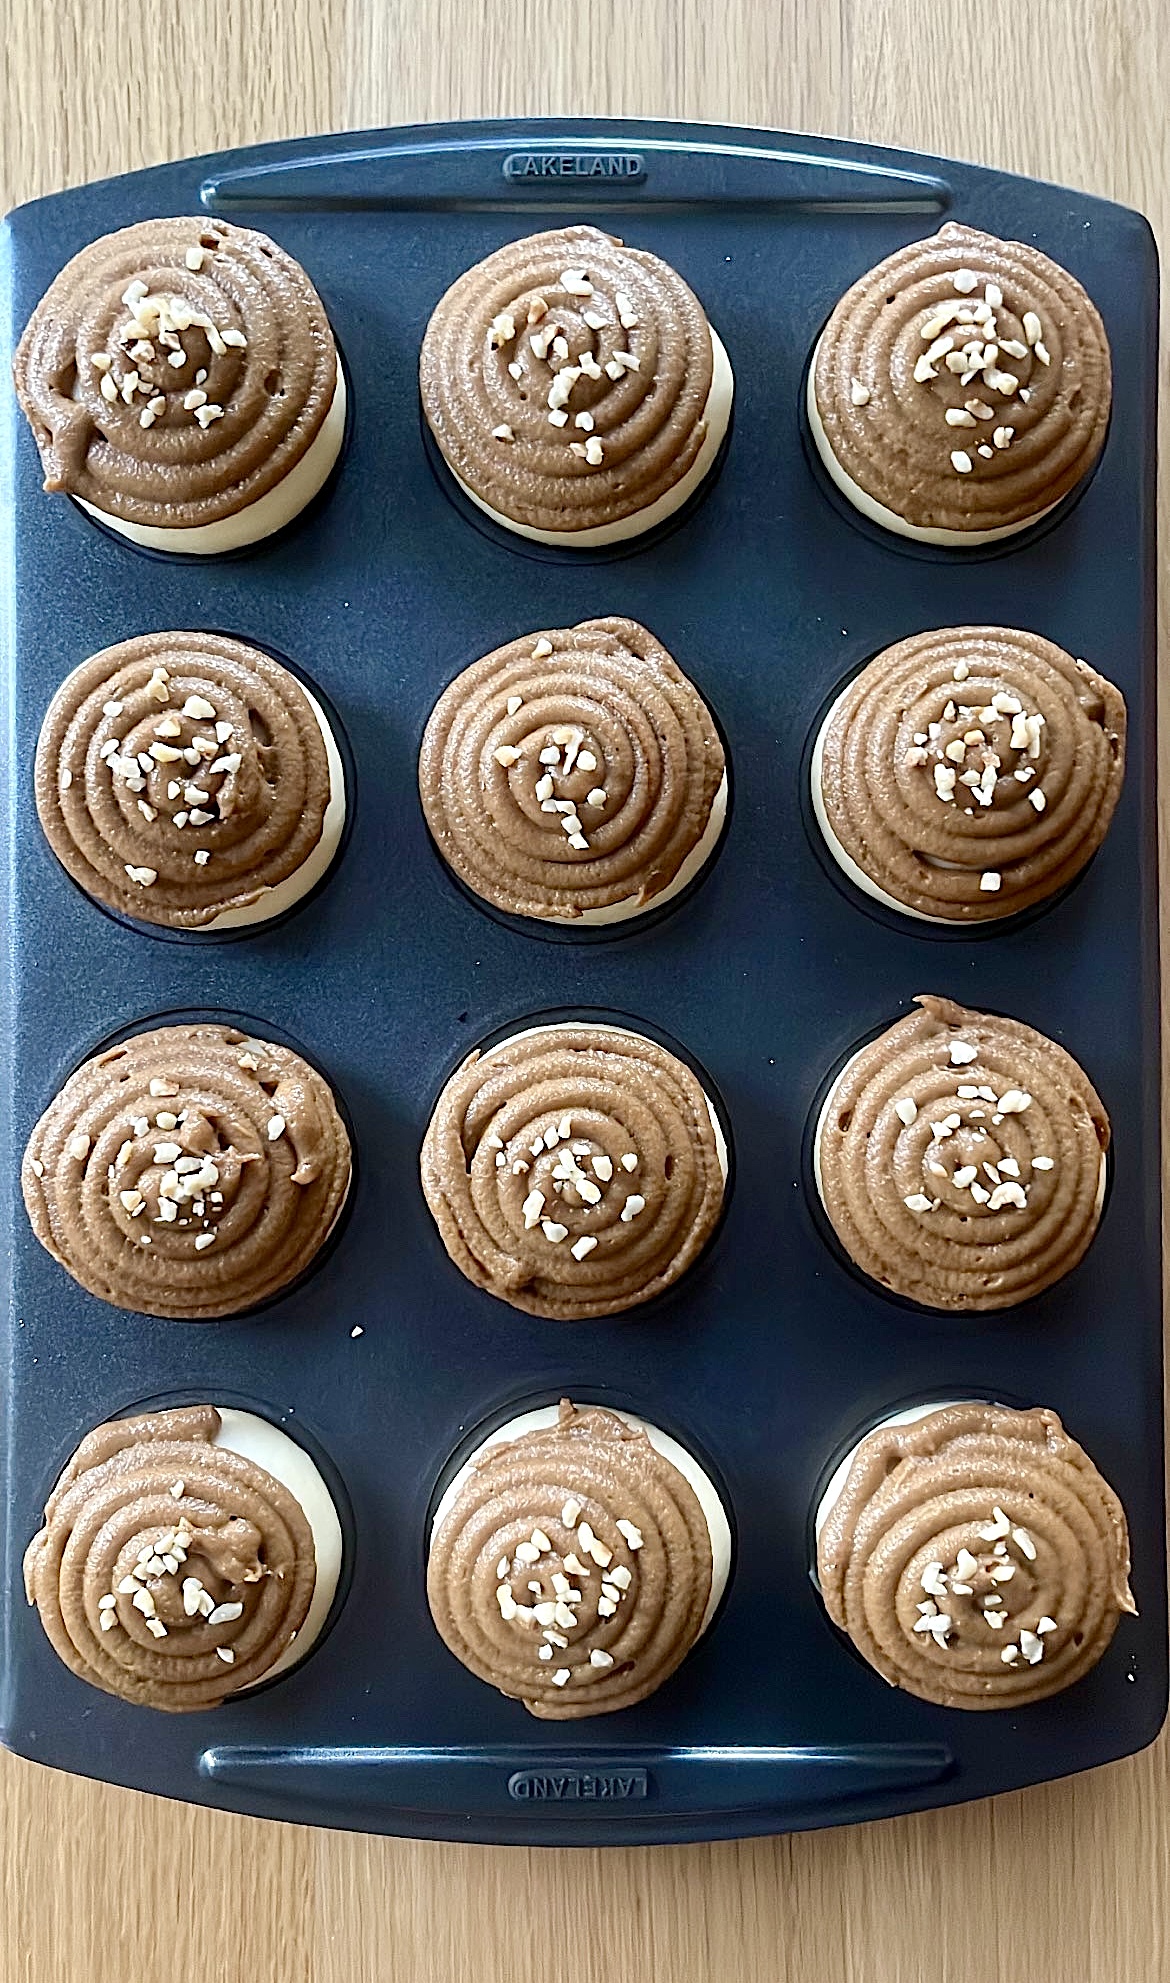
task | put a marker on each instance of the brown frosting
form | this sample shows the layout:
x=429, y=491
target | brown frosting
x=976, y=1557
x=175, y=745
x=240, y=1136
x=990, y=1191
x=615, y=1538
x=176, y=445
x=1032, y=400
x=984, y=748
x=641, y=373
x=523, y=1163
x=636, y=762
x=169, y=1571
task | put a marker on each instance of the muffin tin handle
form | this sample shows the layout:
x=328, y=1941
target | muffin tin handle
x=539, y=171
x=537, y=1793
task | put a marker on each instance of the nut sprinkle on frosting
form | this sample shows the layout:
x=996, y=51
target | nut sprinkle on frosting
x=568, y=380
x=170, y=1570
x=972, y=771
x=976, y=1557
x=963, y=385
x=573, y=1569
x=573, y=773
x=574, y=1170
x=189, y=1171
x=176, y=371
x=180, y=776
x=961, y=1158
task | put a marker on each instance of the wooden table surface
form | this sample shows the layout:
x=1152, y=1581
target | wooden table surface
x=1070, y=1879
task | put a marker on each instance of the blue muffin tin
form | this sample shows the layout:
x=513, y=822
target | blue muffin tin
x=771, y=1354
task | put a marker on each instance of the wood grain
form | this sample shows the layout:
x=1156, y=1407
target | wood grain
x=1070, y=1879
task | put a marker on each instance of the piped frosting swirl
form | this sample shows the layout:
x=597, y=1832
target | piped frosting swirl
x=176, y=371
x=973, y=771
x=169, y=1570
x=566, y=380
x=571, y=771
x=190, y=1171
x=976, y=1557
x=573, y=1170
x=964, y=384
x=180, y=776
x=613, y=1539
x=960, y=1157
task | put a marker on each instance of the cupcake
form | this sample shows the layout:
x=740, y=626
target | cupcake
x=185, y=1556
x=574, y=387
x=575, y=1558
x=575, y=776
x=189, y=1171
x=960, y=388
x=960, y=1158
x=574, y=1170
x=182, y=384
x=190, y=781
x=974, y=1555
x=968, y=773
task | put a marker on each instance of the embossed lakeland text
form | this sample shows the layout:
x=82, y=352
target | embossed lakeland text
x=578, y=1786
x=626, y=165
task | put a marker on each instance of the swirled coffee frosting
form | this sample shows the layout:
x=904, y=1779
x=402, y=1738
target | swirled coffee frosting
x=976, y=1557
x=176, y=372
x=574, y=386
x=970, y=772
x=574, y=1170
x=574, y=774
x=188, y=779
x=962, y=386
x=573, y=1567
x=170, y=1570
x=961, y=1158
x=189, y=1171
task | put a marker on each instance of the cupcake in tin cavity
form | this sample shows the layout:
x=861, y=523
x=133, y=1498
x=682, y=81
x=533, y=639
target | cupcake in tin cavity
x=574, y=1170
x=575, y=1558
x=575, y=388
x=190, y=1171
x=973, y=1554
x=969, y=772
x=182, y=383
x=574, y=776
x=960, y=1158
x=185, y=1556
x=961, y=388
x=190, y=781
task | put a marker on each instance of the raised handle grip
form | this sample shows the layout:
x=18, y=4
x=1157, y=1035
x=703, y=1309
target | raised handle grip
x=466, y=167
x=543, y=1795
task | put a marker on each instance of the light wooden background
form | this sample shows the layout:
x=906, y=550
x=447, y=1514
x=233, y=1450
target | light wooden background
x=1070, y=1880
